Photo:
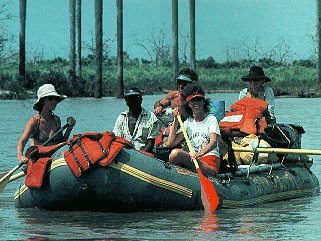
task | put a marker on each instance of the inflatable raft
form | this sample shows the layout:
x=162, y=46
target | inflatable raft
x=134, y=181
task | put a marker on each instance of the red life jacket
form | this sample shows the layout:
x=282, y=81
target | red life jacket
x=245, y=117
x=39, y=157
x=85, y=150
x=93, y=147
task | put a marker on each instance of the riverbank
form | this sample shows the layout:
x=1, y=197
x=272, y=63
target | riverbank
x=291, y=80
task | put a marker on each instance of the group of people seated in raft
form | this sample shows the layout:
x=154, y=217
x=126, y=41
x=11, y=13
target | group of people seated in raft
x=141, y=127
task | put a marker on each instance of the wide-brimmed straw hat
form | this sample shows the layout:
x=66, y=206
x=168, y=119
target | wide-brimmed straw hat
x=256, y=73
x=45, y=91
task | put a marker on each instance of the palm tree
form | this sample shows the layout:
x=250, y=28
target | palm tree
x=192, y=33
x=175, y=38
x=120, y=55
x=78, y=31
x=319, y=38
x=99, y=47
x=22, y=41
x=72, y=70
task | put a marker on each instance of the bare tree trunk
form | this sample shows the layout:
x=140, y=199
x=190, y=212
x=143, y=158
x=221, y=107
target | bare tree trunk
x=22, y=41
x=175, y=38
x=120, y=55
x=78, y=31
x=72, y=69
x=319, y=39
x=192, y=33
x=99, y=47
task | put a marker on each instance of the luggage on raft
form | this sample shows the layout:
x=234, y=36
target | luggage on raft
x=284, y=135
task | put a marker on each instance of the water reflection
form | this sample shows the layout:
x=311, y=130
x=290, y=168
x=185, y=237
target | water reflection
x=208, y=223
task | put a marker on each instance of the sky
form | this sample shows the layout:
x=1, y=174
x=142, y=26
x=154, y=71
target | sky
x=225, y=29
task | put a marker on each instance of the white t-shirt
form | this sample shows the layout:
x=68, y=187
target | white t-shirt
x=199, y=133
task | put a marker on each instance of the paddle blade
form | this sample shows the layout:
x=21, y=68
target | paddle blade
x=3, y=174
x=4, y=180
x=209, y=196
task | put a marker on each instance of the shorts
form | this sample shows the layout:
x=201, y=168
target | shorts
x=213, y=161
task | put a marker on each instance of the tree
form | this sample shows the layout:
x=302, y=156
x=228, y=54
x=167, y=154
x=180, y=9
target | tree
x=120, y=54
x=175, y=38
x=22, y=41
x=192, y=33
x=99, y=47
x=5, y=37
x=72, y=70
x=319, y=38
x=157, y=48
x=78, y=33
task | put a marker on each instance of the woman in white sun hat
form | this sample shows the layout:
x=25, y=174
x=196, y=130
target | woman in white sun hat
x=45, y=123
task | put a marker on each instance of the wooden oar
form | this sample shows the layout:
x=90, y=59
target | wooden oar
x=277, y=150
x=209, y=196
x=5, y=177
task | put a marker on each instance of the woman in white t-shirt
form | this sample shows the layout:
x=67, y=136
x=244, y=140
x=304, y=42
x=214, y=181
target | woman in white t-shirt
x=203, y=131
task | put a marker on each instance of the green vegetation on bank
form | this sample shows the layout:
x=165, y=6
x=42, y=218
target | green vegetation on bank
x=297, y=79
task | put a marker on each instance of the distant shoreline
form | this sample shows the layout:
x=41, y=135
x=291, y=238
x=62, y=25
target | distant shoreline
x=11, y=95
x=295, y=80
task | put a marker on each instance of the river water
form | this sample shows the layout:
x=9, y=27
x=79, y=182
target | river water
x=297, y=219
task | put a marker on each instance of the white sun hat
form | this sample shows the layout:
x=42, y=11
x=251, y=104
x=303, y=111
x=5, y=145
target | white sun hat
x=45, y=91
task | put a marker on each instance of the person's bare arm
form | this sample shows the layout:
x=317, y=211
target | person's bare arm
x=160, y=105
x=72, y=122
x=210, y=146
x=175, y=138
x=29, y=129
x=149, y=145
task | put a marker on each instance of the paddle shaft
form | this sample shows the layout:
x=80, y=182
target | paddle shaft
x=7, y=178
x=277, y=150
x=56, y=134
x=209, y=197
x=188, y=142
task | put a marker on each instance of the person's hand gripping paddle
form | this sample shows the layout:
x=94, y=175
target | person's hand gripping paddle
x=5, y=176
x=209, y=196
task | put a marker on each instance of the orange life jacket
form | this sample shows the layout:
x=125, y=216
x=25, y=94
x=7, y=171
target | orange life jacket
x=39, y=157
x=245, y=117
x=85, y=150
x=93, y=147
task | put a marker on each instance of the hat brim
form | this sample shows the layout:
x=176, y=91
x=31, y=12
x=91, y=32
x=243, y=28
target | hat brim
x=37, y=105
x=248, y=78
x=131, y=94
x=183, y=77
x=190, y=97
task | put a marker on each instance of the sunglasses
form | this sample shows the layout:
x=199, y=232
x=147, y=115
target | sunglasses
x=183, y=82
x=197, y=99
x=51, y=98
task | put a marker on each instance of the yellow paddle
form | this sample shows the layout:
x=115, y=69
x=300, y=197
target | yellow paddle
x=209, y=196
x=277, y=150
